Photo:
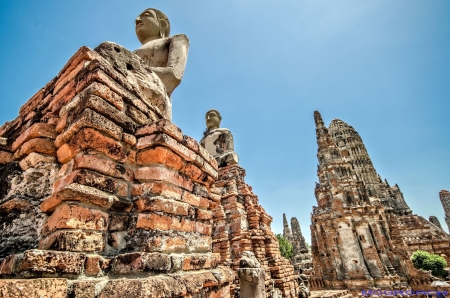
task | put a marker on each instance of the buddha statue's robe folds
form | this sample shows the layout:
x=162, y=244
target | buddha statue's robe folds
x=219, y=143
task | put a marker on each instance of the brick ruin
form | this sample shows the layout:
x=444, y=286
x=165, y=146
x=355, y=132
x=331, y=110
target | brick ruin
x=444, y=196
x=302, y=258
x=434, y=220
x=100, y=196
x=362, y=230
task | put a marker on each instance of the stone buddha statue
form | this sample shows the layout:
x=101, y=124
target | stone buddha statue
x=165, y=55
x=218, y=141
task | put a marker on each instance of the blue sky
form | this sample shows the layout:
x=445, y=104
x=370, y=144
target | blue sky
x=381, y=66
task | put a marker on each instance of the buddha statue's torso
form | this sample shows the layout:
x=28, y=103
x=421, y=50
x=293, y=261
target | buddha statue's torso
x=155, y=53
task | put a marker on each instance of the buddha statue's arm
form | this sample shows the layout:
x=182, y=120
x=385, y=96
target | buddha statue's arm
x=178, y=52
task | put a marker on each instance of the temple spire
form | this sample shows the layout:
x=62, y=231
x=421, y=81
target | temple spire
x=299, y=243
x=287, y=234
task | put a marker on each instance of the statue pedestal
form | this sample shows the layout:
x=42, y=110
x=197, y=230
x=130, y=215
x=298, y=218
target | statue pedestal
x=251, y=282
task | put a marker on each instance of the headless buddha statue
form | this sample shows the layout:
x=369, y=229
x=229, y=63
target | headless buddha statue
x=165, y=55
x=218, y=141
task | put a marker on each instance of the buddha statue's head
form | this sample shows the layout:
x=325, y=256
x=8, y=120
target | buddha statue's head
x=152, y=24
x=213, y=119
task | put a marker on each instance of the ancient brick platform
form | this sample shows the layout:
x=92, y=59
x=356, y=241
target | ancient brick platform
x=102, y=197
x=96, y=186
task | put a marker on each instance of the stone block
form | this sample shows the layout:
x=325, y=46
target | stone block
x=37, y=130
x=103, y=165
x=88, y=178
x=39, y=145
x=5, y=157
x=162, y=205
x=191, y=199
x=192, y=172
x=199, y=261
x=33, y=159
x=13, y=205
x=167, y=141
x=168, y=244
x=83, y=289
x=159, y=155
x=81, y=193
x=74, y=240
x=73, y=216
x=33, y=288
x=90, y=119
x=204, y=214
x=96, y=264
x=89, y=138
x=129, y=139
x=156, y=189
x=40, y=261
x=141, y=262
x=162, y=174
x=106, y=93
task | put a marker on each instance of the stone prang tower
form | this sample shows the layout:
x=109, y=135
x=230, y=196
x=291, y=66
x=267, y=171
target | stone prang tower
x=361, y=227
x=444, y=195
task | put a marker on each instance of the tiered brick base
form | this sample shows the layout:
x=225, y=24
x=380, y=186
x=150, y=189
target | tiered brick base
x=96, y=187
x=240, y=223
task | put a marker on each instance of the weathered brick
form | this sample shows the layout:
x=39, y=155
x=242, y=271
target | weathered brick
x=76, y=217
x=74, y=240
x=5, y=157
x=192, y=172
x=191, y=199
x=204, y=214
x=39, y=145
x=162, y=174
x=37, y=130
x=161, y=204
x=167, y=141
x=89, y=138
x=90, y=119
x=159, y=155
x=14, y=204
x=103, y=165
x=158, y=189
x=38, y=287
x=81, y=193
x=45, y=261
x=33, y=159
x=162, y=125
x=141, y=262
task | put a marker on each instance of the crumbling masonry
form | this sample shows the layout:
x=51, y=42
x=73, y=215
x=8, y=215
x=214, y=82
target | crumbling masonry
x=444, y=195
x=363, y=232
x=302, y=258
x=102, y=197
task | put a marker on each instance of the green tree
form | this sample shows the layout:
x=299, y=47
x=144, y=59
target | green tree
x=426, y=261
x=285, y=247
